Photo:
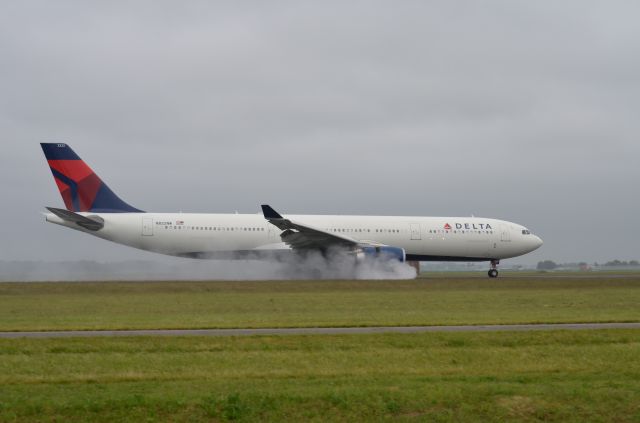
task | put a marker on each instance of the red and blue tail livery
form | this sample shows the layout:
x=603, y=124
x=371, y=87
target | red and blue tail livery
x=81, y=189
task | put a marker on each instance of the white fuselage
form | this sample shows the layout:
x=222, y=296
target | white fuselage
x=250, y=235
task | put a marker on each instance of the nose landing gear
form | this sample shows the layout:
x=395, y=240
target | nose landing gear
x=493, y=272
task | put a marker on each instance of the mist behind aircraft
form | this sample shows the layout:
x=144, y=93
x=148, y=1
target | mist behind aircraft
x=312, y=268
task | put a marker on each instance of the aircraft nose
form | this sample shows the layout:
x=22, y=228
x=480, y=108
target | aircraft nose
x=537, y=242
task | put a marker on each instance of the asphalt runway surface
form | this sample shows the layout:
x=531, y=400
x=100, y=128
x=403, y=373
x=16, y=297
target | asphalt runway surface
x=318, y=331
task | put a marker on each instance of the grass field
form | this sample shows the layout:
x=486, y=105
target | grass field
x=558, y=376
x=491, y=377
x=430, y=301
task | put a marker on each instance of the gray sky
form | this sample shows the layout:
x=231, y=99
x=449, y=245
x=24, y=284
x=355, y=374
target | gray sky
x=526, y=111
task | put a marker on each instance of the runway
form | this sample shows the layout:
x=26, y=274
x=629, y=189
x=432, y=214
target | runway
x=318, y=331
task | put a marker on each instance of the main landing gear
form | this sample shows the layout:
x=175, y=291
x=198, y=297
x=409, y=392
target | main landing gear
x=493, y=272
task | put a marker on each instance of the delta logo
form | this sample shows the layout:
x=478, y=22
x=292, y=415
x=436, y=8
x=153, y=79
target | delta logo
x=470, y=226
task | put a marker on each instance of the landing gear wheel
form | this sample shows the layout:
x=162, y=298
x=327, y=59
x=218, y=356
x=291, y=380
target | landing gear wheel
x=493, y=272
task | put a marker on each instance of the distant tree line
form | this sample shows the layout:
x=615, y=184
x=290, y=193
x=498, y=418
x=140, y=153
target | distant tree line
x=622, y=263
x=547, y=265
x=551, y=265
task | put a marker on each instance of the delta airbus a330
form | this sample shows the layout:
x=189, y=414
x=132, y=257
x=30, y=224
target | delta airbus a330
x=91, y=207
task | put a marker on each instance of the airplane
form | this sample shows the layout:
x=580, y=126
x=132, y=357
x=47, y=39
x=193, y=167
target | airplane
x=91, y=207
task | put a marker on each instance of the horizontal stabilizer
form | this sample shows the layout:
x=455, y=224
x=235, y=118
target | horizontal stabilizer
x=92, y=223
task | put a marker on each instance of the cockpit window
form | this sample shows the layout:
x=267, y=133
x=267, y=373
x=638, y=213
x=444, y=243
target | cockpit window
x=525, y=232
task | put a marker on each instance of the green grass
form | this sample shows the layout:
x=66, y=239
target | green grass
x=555, y=376
x=513, y=298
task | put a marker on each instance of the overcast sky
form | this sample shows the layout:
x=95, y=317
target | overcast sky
x=527, y=111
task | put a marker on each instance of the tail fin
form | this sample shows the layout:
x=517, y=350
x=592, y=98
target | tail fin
x=81, y=189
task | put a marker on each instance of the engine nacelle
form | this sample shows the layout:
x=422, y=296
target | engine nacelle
x=382, y=252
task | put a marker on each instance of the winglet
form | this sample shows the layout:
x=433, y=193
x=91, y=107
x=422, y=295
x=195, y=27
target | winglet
x=270, y=213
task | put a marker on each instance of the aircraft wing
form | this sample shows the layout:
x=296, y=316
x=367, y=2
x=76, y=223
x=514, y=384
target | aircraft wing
x=302, y=237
